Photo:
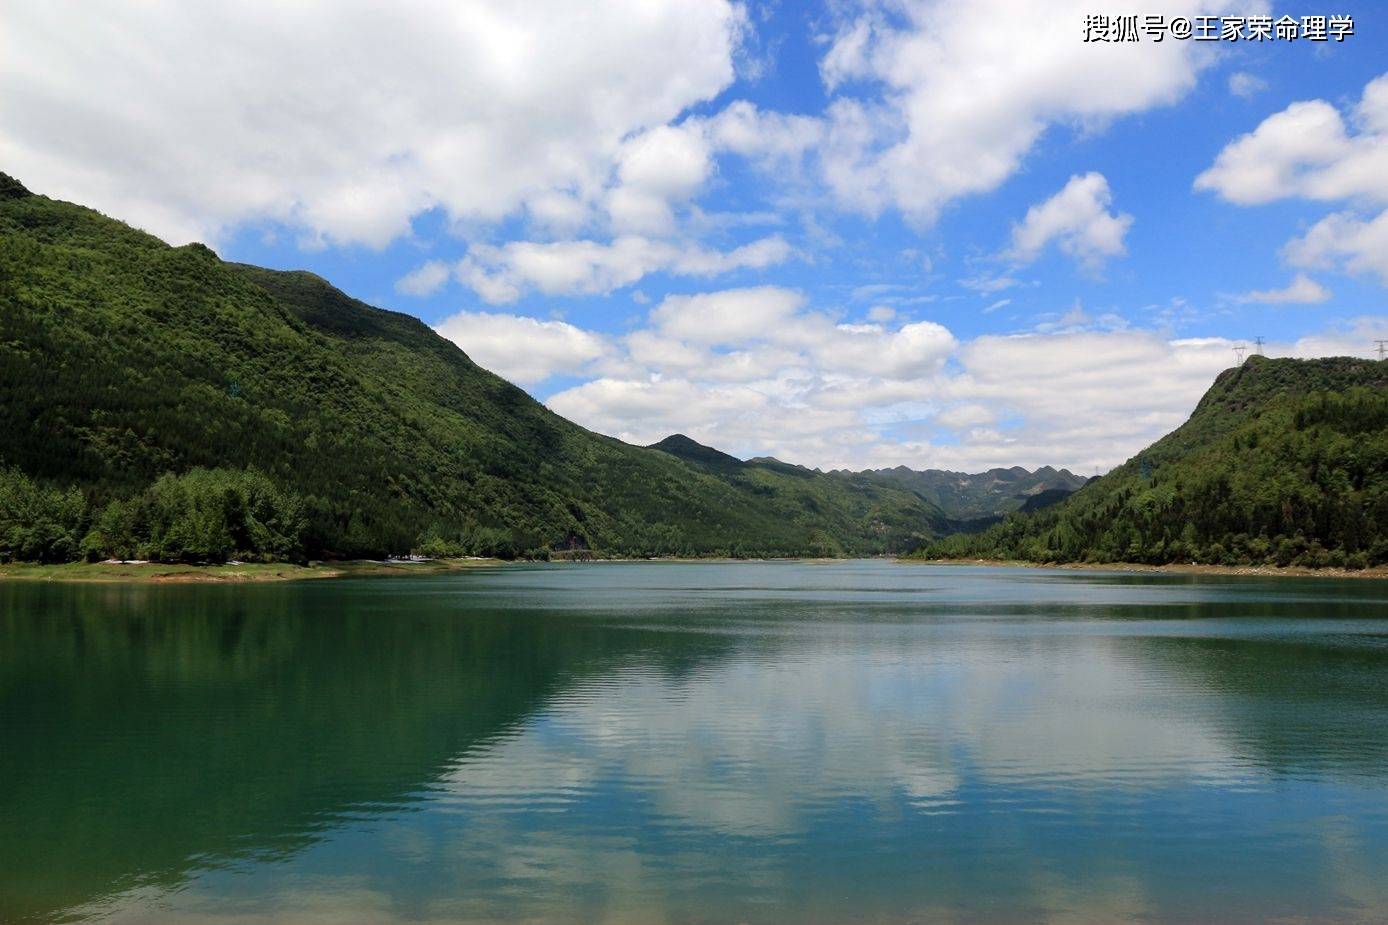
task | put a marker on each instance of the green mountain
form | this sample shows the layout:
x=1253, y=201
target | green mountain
x=982, y=495
x=1045, y=498
x=840, y=501
x=1283, y=462
x=159, y=402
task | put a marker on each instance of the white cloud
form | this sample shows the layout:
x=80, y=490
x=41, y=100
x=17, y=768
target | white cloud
x=644, y=411
x=770, y=138
x=523, y=349
x=1245, y=85
x=662, y=166
x=1343, y=238
x=426, y=279
x=1302, y=290
x=189, y=119
x=989, y=284
x=1353, y=338
x=1289, y=154
x=1310, y=151
x=1132, y=387
x=504, y=273
x=759, y=371
x=1307, y=151
x=1078, y=220
x=730, y=316
x=765, y=329
x=1074, y=319
x=966, y=415
x=961, y=92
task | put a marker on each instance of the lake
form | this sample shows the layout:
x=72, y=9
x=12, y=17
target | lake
x=697, y=742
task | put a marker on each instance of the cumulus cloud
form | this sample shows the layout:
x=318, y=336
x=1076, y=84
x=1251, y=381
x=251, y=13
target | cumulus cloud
x=523, y=349
x=426, y=279
x=968, y=415
x=944, y=99
x=1310, y=151
x=1245, y=85
x=1302, y=290
x=504, y=273
x=764, y=328
x=657, y=169
x=1354, y=337
x=730, y=316
x=1133, y=388
x=189, y=119
x=1078, y=220
x=761, y=371
x=1343, y=239
x=772, y=139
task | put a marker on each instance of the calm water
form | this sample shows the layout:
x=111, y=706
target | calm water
x=633, y=743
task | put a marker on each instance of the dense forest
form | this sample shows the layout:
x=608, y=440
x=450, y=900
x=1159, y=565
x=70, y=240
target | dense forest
x=158, y=402
x=1283, y=462
x=982, y=496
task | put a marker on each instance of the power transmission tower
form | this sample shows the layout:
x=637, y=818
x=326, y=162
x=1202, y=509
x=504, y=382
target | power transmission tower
x=1238, y=352
x=1382, y=347
x=1257, y=346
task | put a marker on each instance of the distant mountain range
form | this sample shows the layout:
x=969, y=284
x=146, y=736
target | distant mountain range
x=968, y=501
x=1283, y=462
x=984, y=495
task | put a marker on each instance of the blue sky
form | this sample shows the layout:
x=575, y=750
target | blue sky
x=855, y=234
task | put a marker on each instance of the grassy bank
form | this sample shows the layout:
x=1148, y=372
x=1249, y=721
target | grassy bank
x=1267, y=571
x=165, y=573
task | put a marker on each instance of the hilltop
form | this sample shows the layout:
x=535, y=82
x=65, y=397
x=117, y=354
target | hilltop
x=840, y=499
x=981, y=496
x=1283, y=462
x=158, y=402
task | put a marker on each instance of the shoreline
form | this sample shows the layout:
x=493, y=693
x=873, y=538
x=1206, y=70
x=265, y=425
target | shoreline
x=243, y=573
x=1378, y=572
x=260, y=572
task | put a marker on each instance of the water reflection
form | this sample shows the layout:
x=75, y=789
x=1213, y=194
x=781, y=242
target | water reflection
x=697, y=743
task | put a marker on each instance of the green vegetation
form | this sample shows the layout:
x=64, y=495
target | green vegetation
x=137, y=571
x=1283, y=462
x=234, y=571
x=982, y=497
x=159, y=402
x=205, y=515
x=839, y=501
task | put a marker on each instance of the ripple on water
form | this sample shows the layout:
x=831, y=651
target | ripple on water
x=756, y=742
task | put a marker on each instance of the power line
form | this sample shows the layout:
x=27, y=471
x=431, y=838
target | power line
x=1382, y=347
x=1238, y=352
x=1258, y=346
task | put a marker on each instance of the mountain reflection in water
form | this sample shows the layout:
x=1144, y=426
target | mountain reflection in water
x=639, y=742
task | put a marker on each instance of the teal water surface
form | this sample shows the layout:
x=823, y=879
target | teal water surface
x=681, y=742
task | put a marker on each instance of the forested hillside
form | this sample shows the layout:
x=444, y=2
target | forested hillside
x=159, y=402
x=981, y=495
x=1283, y=462
x=840, y=498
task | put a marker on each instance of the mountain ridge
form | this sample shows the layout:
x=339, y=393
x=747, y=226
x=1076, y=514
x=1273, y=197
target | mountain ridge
x=1282, y=462
x=981, y=496
x=124, y=360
